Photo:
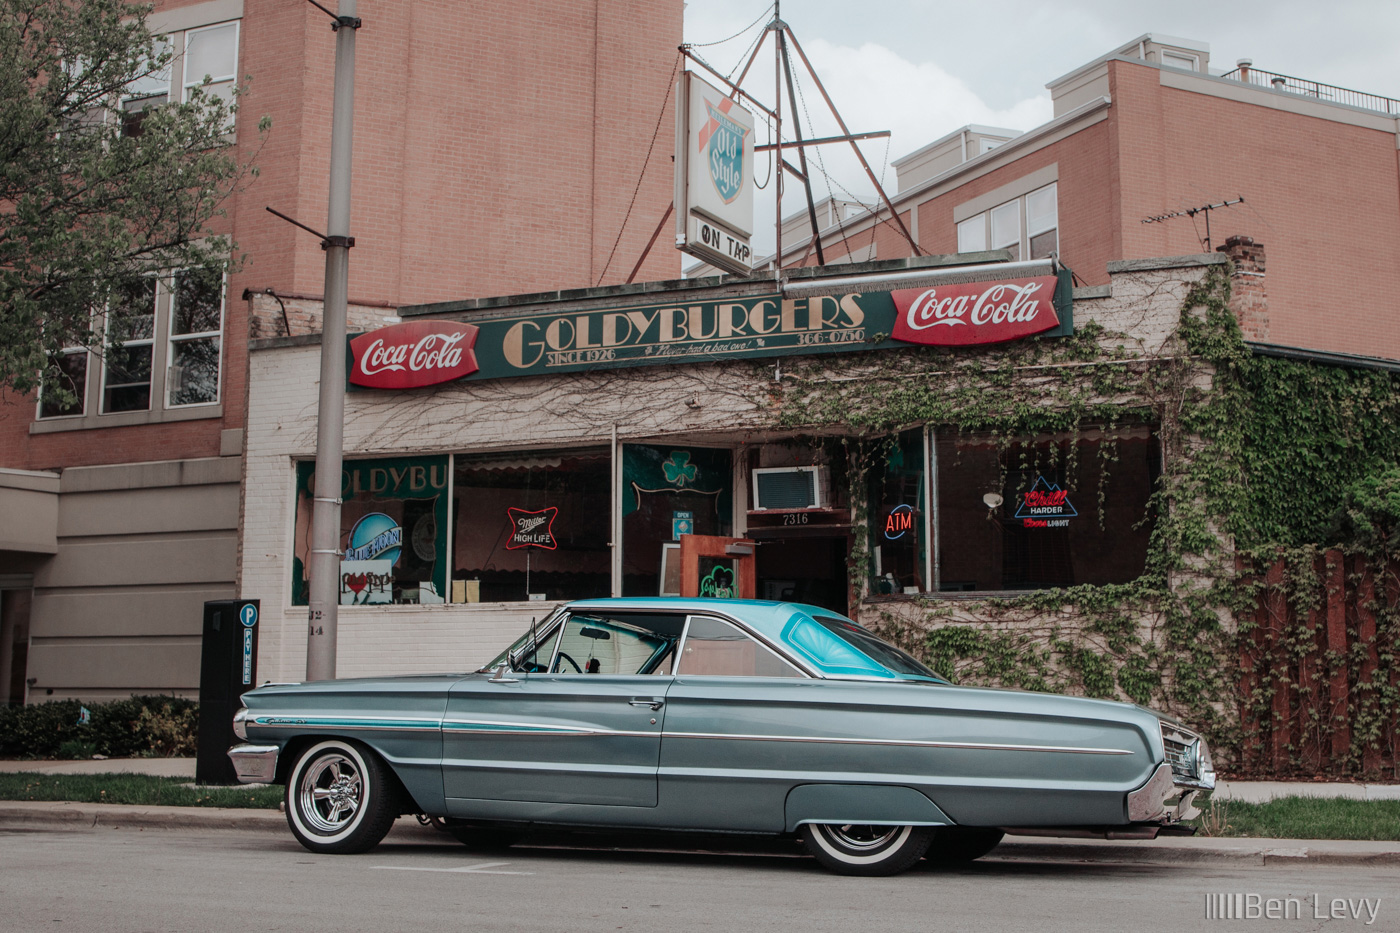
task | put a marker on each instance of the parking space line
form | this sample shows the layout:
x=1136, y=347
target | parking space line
x=484, y=868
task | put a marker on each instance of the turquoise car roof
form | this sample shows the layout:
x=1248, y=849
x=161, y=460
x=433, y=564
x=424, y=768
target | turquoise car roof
x=766, y=616
x=787, y=624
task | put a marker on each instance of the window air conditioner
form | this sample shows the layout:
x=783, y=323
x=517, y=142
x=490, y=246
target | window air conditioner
x=789, y=487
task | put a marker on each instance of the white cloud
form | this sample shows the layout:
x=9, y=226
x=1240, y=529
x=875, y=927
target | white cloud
x=874, y=88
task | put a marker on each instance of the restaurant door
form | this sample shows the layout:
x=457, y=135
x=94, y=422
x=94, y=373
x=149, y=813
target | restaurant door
x=717, y=566
x=808, y=570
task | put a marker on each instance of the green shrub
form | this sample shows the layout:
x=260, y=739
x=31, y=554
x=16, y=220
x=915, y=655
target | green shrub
x=138, y=725
x=77, y=748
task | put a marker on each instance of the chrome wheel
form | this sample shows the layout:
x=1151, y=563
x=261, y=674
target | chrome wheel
x=866, y=838
x=340, y=797
x=330, y=791
x=862, y=849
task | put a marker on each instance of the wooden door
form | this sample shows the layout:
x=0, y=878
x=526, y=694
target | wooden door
x=713, y=565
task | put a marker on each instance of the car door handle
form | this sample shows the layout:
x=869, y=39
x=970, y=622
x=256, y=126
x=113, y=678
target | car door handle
x=651, y=703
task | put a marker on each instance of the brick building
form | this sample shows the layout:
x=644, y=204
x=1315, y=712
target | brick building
x=1148, y=129
x=486, y=138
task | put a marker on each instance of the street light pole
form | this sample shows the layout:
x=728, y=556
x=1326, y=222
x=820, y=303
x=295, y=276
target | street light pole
x=323, y=563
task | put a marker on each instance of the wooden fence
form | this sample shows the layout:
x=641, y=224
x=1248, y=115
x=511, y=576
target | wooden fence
x=1319, y=694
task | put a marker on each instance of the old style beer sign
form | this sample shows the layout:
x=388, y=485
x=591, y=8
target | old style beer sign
x=412, y=355
x=975, y=313
x=532, y=529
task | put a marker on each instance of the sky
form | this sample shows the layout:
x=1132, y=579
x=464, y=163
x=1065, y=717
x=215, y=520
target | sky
x=924, y=69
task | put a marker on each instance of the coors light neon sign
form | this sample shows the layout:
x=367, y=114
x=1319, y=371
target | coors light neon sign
x=412, y=355
x=975, y=313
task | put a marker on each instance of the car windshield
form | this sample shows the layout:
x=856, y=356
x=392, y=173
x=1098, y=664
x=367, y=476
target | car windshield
x=892, y=659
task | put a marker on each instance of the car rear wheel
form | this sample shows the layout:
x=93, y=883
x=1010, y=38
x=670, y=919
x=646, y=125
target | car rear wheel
x=957, y=845
x=856, y=849
x=340, y=798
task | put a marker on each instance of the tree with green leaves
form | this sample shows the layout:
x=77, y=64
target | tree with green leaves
x=101, y=182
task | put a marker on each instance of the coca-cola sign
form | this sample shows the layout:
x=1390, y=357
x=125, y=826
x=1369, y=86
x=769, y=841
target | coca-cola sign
x=412, y=355
x=975, y=313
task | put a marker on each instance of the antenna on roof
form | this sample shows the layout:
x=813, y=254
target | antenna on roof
x=1192, y=212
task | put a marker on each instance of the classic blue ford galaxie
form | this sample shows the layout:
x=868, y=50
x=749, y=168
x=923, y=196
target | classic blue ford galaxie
x=715, y=715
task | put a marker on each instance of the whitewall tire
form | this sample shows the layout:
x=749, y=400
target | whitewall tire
x=853, y=849
x=340, y=797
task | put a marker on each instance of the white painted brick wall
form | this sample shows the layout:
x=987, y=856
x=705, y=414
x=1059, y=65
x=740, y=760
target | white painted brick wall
x=470, y=417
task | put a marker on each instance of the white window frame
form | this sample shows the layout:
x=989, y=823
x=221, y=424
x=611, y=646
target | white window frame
x=151, y=341
x=172, y=338
x=186, y=83
x=967, y=228
x=972, y=234
x=82, y=390
x=1184, y=61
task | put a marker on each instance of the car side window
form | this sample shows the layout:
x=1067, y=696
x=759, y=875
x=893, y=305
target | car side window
x=713, y=646
x=616, y=644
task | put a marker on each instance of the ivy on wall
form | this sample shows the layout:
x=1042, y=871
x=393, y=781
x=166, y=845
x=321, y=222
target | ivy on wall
x=1259, y=454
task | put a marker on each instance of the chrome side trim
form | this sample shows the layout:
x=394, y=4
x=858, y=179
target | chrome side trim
x=357, y=724
x=911, y=743
x=254, y=764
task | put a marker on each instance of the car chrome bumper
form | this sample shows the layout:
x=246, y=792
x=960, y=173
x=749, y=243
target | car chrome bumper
x=1169, y=795
x=255, y=764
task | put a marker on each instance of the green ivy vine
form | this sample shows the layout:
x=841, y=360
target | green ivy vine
x=1259, y=455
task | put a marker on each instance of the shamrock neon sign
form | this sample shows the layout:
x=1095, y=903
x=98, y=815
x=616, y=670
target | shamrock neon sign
x=679, y=470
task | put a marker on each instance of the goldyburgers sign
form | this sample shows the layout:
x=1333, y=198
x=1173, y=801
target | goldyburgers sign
x=805, y=320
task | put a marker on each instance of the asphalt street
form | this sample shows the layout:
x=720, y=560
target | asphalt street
x=114, y=880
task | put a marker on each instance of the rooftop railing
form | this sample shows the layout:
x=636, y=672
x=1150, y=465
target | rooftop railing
x=1327, y=92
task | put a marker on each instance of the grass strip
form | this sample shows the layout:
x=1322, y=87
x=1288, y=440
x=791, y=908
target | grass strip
x=1303, y=818
x=134, y=789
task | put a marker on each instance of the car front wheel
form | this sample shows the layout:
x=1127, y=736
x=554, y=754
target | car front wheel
x=855, y=849
x=340, y=798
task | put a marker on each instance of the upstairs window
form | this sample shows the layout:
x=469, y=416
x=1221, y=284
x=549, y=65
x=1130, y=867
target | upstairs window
x=131, y=321
x=164, y=353
x=1027, y=226
x=72, y=376
x=149, y=91
x=196, y=323
x=211, y=53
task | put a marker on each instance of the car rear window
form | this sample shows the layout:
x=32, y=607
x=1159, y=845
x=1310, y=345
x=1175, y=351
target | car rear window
x=839, y=647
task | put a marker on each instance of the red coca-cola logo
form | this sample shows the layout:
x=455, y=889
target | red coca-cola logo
x=975, y=313
x=412, y=355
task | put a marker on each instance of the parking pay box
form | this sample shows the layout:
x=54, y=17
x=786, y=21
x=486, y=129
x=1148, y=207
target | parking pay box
x=228, y=668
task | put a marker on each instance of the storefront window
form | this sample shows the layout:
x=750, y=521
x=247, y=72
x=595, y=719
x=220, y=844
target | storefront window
x=898, y=536
x=1054, y=510
x=532, y=526
x=393, y=531
x=668, y=492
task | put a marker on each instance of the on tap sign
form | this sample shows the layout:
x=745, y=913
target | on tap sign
x=714, y=176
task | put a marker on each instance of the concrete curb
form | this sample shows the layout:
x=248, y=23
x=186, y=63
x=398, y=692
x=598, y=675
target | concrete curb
x=40, y=816
x=1292, y=852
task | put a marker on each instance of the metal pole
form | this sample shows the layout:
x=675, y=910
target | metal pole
x=776, y=25
x=324, y=559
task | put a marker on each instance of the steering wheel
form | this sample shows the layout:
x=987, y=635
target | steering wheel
x=565, y=656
